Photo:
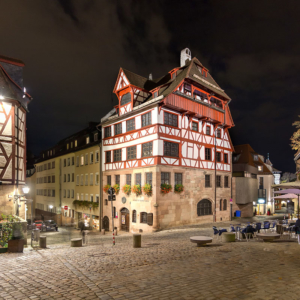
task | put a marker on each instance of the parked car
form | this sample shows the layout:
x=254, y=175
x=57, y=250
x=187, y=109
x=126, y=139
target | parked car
x=38, y=224
x=49, y=225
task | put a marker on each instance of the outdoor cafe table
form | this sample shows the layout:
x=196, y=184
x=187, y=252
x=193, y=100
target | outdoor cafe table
x=268, y=237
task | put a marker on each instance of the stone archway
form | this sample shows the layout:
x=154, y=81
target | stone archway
x=125, y=219
x=105, y=223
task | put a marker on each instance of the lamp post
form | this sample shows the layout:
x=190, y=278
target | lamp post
x=17, y=198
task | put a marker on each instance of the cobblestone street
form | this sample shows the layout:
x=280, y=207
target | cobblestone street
x=168, y=266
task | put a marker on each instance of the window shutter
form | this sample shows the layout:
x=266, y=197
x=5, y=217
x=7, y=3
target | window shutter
x=150, y=219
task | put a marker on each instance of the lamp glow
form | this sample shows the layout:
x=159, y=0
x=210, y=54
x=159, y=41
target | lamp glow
x=25, y=189
x=50, y=206
x=1, y=97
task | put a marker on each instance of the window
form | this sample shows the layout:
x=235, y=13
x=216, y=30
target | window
x=82, y=196
x=117, y=179
x=69, y=161
x=149, y=178
x=97, y=156
x=81, y=179
x=138, y=179
x=77, y=179
x=128, y=179
x=259, y=168
x=165, y=178
x=130, y=125
x=134, y=216
x=147, y=149
x=118, y=128
x=71, y=144
x=86, y=179
x=225, y=158
x=155, y=94
x=87, y=139
x=108, y=179
x=117, y=155
x=92, y=198
x=75, y=143
x=69, y=177
x=146, y=119
x=219, y=181
x=86, y=197
x=218, y=133
x=207, y=130
x=65, y=193
x=108, y=156
x=65, y=162
x=207, y=180
x=143, y=218
x=53, y=164
x=72, y=161
x=82, y=160
x=67, y=146
x=194, y=126
x=178, y=178
x=220, y=204
x=91, y=179
x=207, y=154
x=131, y=152
x=204, y=208
x=49, y=166
x=255, y=157
x=49, y=193
x=226, y=181
x=86, y=160
x=261, y=182
x=96, y=137
x=77, y=161
x=171, y=149
x=170, y=119
x=97, y=198
x=173, y=75
x=187, y=89
x=73, y=177
x=77, y=197
x=53, y=193
x=45, y=166
x=107, y=132
x=49, y=179
x=224, y=204
x=91, y=157
x=126, y=99
x=65, y=177
x=218, y=156
x=97, y=178
x=53, y=178
x=68, y=195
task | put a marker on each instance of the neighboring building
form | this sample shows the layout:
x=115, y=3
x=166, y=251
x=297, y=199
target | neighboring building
x=13, y=108
x=288, y=177
x=276, y=173
x=297, y=162
x=56, y=175
x=163, y=131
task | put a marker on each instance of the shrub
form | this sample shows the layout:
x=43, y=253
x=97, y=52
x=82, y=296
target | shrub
x=166, y=188
x=85, y=204
x=147, y=189
x=178, y=188
x=106, y=188
x=117, y=188
x=137, y=189
x=126, y=189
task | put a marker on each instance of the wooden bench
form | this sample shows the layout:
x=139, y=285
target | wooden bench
x=76, y=242
x=200, y=240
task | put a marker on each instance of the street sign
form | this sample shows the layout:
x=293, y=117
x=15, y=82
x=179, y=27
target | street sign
x=230, y=200
x=66, y=207
x=112, y=198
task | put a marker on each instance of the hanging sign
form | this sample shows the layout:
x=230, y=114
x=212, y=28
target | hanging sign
x=66, y=207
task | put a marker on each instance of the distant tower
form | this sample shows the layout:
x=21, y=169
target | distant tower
x=184, y=55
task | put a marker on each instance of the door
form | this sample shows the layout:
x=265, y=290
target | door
x=125, y=219
x=105, y=224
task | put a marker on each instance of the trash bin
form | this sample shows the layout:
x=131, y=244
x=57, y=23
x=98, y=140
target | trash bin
x=238, y=213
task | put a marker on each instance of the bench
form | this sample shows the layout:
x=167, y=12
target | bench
x=76, y=242
x=200, y=240
x=268, y=237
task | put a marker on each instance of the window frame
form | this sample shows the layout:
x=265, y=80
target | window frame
x=207, y=181
x=130, y=120
x=206, y=127
x=128, y=149
x=107, y=131
x=116, y=126
x=114, y=151
x=143, y=217
x=148, y=150
x=147, y=113
x=197, y=124
x=163, y=180
x=170, y=155
x=206, y=155
x=166, y=119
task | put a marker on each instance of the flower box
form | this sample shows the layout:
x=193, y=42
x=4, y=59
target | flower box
x=147, y=189
x=165, y=188
x=136, y=189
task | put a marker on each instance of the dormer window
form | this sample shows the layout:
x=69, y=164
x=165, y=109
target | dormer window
x=155, y=94
x=87, y=140
x=67, y=146
x=95, y=136
x=125, y=99
x=75, y=143
x=255, y=157
x=259, y=168
x=187, y=89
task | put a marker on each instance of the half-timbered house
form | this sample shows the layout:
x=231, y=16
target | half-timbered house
x=170, y=132
x=13, y=109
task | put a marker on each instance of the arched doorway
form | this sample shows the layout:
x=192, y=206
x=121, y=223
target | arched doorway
x=105, y=223
x=204, y=208
x=125, y=219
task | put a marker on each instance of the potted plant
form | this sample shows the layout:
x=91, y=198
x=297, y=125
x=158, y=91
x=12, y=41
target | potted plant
x=106, y=188
x=6, y=228
x=147, y=189
x=178, y=188
x=117, y=188
x=126, y=189
x=165, y=188
x=137, y=189
x=16, y=243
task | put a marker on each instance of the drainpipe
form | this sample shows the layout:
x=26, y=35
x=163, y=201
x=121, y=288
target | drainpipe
x=215, y=176
x=100, y=183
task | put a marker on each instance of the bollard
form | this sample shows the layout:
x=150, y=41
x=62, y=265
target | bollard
x=103, y=231
x=43, y=241
x=116, y=231
x=137, y=241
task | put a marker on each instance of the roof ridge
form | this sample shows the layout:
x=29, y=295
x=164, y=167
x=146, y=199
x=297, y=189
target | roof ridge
x=137, y=74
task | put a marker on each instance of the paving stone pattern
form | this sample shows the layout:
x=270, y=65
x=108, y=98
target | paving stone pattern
x=168, y=266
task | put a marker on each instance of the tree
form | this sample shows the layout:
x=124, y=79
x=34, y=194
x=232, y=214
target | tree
x=296, y=136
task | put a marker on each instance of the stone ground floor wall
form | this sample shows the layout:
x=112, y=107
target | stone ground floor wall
x=171, y=209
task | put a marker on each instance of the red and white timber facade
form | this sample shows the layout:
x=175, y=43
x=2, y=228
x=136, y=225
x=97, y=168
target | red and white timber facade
x=166, y=131
x=13, y=108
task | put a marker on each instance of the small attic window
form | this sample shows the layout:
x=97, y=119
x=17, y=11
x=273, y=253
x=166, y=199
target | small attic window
x=255, y=157
x=155, y=94
x=126, y=99
x=259, y=168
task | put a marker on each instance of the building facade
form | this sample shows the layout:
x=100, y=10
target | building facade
x=167, y=135
x=57, y=173
x=13, y=108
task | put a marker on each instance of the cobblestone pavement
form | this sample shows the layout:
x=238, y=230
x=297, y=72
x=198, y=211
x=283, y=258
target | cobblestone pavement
x=167, y=266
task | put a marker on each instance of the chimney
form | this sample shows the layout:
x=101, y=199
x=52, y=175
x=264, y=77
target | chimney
x=150, y=76
x=184, y=56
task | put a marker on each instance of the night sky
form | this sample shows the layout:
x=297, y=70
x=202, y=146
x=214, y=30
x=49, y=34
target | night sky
x=73, y=51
